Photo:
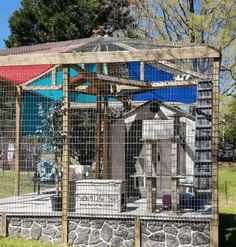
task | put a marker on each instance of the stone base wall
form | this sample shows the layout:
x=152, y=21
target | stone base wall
x=112, y=232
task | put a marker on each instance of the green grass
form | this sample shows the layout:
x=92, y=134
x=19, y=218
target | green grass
x=227, y=227
x=26, y=184
x=16, y=242
x=7, y=183
x=227, y=173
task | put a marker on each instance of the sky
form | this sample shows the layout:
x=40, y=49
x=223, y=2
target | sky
x=7, y=7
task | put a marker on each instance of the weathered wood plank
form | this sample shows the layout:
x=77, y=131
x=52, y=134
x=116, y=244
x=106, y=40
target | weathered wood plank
x=3, y=225
x=214, y=236
x=35, y=88
x=160, y=54
x=120, y=104
x=137, y=232
x=142, y=71
x=18, y=134
x=98, y=126
x=105, y=129
x=65, y=155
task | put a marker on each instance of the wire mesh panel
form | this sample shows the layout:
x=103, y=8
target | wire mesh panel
x=110, y=139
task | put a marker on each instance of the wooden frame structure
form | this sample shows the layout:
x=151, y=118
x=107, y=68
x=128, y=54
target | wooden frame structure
x=163, y=55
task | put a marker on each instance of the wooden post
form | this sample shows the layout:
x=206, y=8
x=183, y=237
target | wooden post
x=150, y=179
x=105, y=128
x=66, y=155
x=17, y=150
x=137, y=232
x=54, y=77
x=214, y=236
x=3, y=225
x=98, y=127
x=174, y=179
x=226, y=193
x=141, y=71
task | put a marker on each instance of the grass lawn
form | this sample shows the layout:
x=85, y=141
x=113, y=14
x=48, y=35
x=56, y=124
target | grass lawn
x=227, y=228
x=26, y=183
x=16, y=242
x=227, y=175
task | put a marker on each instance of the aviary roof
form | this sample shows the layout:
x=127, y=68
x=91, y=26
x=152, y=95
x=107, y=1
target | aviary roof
x=93, y=44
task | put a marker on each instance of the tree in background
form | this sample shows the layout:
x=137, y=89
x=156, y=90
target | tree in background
x=228, y=119
x=41, y=21
x=204, y=21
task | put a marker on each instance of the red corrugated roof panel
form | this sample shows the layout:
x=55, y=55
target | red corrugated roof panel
x=21, y=74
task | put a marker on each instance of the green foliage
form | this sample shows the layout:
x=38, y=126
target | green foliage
x=82, y=136
x=7, y=184
x=41, y=21
x=227, y=230
x=227, y=173
x=228, y=119
x=204, y=21
x=82, y=131
x=50, y=129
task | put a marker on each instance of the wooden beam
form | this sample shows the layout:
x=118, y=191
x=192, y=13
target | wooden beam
x=35, y=88
x=214, y=236
x=168, y=53
x=98, y=76
x=133, y=83
x=84, y=89
x=105, y=130
x=105, y=138
x=18, y=144
x=183, y=70
x=98, y=126
x=66, y=155
x=141, y=71
x=54, y=76
x=137, y=232
x=3, y=225
x=150, y=179
x=120, y=104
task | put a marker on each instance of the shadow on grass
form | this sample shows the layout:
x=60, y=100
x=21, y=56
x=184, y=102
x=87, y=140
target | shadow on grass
x=227, y=230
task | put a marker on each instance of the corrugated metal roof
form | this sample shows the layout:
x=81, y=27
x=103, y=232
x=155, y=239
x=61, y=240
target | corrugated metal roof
x=92, y=45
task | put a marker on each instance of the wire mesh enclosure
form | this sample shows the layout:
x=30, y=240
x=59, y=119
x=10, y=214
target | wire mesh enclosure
x=106, y=127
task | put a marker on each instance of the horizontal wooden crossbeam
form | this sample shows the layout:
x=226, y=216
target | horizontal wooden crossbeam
x=35, y=88
x=169, y=53
x=131, y=83
x=120, y=104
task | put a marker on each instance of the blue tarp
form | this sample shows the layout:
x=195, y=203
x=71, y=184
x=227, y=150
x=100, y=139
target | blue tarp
x=151, y=74
x=30, y=118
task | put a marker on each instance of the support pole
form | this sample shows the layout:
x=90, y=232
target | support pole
x=214, y=236
x=105, y=138
x=150, y=179
x=66, y=155
x=137, y=232
x=98, y=126
x=141, y=71
x=105, y=129
x=17, y=150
